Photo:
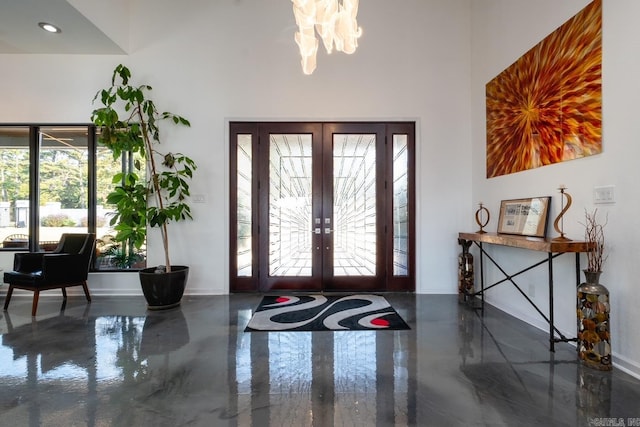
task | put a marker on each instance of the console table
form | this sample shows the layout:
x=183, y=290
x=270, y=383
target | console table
x=553, y=248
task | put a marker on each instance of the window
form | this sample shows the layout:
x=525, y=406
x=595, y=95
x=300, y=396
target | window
x=54, y=179
x=63, y=183
x=14, y=186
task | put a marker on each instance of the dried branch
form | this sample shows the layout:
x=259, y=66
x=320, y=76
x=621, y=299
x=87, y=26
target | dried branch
x=594, y=234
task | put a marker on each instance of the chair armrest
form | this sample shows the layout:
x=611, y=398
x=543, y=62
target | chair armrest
x=65, y=268
x=27, y=262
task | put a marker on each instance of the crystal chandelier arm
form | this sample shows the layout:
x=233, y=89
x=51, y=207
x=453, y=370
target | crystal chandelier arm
x=304, y=12
x=334, y=20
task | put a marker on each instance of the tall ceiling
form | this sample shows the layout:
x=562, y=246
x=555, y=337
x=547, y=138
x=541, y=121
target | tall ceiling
x=20, y=33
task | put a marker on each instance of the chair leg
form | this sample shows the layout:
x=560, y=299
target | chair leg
x=34, y=307
x=8, y=297
x=86, y=291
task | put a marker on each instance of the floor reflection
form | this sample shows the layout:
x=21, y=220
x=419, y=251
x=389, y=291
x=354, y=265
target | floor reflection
x=328, y=378
x=80, y=357
x=513, y=383
x=114, y=363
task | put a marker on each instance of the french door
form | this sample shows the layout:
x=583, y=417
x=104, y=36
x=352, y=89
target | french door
x=322, y=206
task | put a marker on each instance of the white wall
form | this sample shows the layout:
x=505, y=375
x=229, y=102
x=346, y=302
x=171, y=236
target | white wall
x=228, y=60
x=503, y=30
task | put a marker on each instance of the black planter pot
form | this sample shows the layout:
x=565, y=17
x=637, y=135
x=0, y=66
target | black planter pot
x=163, y=290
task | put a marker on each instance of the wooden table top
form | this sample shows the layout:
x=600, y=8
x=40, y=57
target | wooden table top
x=531, y=243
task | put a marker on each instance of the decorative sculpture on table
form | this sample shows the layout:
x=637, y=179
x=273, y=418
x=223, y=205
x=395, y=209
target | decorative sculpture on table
x=558, y=224
x=482, y=223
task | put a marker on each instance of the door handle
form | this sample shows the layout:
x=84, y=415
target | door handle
x=317, y=230
x=327, y=231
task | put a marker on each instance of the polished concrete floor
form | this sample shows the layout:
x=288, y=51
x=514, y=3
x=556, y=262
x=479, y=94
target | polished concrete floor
x=113, y=363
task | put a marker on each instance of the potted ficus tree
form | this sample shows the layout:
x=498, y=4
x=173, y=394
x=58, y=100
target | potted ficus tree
x=155, y=190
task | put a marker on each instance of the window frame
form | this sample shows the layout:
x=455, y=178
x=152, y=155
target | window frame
x=34, y=183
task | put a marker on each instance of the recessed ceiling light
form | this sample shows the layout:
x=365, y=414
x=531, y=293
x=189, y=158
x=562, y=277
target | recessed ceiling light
x=49, y=27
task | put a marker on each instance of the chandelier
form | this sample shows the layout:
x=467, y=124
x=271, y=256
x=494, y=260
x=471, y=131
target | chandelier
x=335, y=23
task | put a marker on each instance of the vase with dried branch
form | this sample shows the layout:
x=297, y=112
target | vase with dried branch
x=594, y=338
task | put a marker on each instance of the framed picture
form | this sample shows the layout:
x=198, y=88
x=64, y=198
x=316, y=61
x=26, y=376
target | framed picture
x=524, y=217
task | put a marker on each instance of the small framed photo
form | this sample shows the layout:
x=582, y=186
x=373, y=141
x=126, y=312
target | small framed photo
x=524, y=217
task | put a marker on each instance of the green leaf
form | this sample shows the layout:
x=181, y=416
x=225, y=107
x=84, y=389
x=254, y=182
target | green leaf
x=117, y=178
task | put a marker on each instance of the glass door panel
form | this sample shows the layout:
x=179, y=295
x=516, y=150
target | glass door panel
x=400, y=206
x=244, y=189
x=354, y=205
x=290, y=205
x=353, y=200
x=289, y=202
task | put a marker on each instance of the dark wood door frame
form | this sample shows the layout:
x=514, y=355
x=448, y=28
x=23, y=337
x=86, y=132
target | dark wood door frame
x=322, y=280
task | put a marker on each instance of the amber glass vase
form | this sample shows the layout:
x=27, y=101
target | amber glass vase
x=594, y=337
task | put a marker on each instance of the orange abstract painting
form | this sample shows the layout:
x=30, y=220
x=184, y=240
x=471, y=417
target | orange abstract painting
x=547, y=106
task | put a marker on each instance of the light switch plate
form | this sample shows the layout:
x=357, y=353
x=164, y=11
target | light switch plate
x=604, y=194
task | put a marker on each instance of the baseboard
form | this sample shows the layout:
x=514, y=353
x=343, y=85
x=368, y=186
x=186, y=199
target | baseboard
x=625, y=365
x=101, y=292
x=74, y=291
x=536, y=322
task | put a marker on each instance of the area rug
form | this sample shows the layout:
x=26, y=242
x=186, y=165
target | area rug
x=325, y=313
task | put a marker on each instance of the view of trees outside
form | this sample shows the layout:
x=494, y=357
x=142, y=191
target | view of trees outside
x=63, y=188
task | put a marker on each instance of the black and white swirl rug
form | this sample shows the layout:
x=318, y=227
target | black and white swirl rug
x=325, y=313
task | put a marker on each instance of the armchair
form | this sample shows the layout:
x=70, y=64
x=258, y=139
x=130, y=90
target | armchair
x=67, y=265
